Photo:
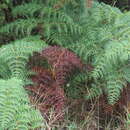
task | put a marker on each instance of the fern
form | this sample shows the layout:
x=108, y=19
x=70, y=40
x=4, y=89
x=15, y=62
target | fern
x=20, y=27
x=63, y=62
x=27, y=10
x=16, y=55
x=114, y=87
x=98, y=36
x=14, y=107
x=94, y=92
x=14, y=58
x=40, y=16
x=77, y=85
x=93, y=36
x=111, y=68
x=105, y=44
x=47, y=94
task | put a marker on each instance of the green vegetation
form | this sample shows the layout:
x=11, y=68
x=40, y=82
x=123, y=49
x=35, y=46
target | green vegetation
x=60, y=49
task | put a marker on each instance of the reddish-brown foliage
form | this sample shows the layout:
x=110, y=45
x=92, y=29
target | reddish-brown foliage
x=47, y=90
x=63, y=62
x=47, y=94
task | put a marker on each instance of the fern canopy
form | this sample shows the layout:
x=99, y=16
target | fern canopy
x=69, y=36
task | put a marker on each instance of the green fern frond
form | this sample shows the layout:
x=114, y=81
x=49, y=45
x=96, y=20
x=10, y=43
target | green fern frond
x=94, y=92
x=41, y=11
x=116, y=54
x=76, y=87
x=27, y=10
x=85, y=51
x=16, y=55
x=99, y=70
x=61, y=28
x=34, y=9
x=15, y=111
x=115, y=85
x=21, y=27
x=50, y=20
x=103, y=13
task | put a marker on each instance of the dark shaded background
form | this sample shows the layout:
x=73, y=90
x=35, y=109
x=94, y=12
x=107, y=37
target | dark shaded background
x=122, y=4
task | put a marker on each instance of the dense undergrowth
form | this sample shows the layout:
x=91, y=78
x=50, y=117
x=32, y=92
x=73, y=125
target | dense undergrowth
x=61, y=61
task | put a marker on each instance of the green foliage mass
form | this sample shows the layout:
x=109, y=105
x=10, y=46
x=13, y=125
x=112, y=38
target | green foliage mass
x=104, y=44
x=16, y=112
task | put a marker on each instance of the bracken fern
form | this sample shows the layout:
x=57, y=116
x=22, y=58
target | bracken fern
x=93, y=40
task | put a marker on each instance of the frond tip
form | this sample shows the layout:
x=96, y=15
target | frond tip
x=115, y=86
